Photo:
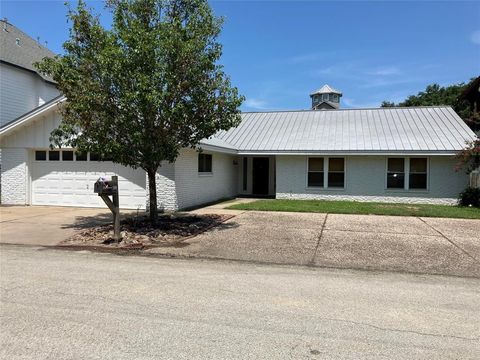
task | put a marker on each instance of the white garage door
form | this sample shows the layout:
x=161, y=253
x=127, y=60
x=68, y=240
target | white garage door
x=70, y=183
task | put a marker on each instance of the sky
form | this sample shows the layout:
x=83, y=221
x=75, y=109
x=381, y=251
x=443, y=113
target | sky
x=278, y=52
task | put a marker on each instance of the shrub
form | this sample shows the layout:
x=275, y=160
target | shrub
x=469, y=197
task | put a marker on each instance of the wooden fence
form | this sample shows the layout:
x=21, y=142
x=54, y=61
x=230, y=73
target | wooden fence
x=475, y=179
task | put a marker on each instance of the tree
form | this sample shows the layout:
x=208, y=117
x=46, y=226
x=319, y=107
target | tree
x=149, y=86
x=469, y=158
x=435, y=94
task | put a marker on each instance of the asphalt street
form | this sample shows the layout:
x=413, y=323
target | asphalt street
x=58, y=304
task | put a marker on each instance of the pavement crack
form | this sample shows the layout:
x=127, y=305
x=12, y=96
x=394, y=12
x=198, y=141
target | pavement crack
x=402, y=330
x=450, y=241
x=319, y=238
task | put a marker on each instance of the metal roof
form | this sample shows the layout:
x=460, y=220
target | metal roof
x=435, y=129
x=326, y=89
x=23, y=54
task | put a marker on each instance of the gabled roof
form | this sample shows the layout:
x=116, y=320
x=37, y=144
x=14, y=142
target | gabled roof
x=326, y=89
x=31, y=115
x=23, y=54
x=435, y=130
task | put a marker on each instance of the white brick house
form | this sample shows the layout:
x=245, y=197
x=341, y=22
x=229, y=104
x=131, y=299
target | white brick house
x=384, y=154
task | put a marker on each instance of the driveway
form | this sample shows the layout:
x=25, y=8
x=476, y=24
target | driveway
x=45, y=225
x=406, y=244
x=372, y=242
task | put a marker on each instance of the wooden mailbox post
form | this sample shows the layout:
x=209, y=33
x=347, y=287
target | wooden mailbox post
x=104, y=188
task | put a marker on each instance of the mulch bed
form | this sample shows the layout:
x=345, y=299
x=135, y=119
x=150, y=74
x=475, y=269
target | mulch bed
x=139, y=232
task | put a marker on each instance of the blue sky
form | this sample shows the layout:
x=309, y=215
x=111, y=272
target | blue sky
x=277, y=52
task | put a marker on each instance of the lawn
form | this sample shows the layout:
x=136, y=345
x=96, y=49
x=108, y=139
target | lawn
x=353, y=207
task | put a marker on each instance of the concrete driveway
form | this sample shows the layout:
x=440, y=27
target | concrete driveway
x=45, y=225
x=408, y=244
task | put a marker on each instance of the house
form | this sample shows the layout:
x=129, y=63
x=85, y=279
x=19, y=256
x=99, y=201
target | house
x=22, y=87
x=378, y=154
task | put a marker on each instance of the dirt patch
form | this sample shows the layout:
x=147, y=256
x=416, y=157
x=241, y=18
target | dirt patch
x=139, y=232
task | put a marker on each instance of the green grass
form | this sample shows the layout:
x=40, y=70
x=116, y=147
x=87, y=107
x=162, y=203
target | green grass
x=353, y=207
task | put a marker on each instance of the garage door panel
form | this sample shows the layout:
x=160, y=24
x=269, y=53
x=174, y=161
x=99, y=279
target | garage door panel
x=71, y=184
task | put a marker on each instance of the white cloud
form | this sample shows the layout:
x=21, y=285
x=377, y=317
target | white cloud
x=256, y=104
x=352, y=103
x=385, y=71
x=475, y=37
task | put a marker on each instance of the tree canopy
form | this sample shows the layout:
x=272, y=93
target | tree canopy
x=147, y=87
x=435, y=94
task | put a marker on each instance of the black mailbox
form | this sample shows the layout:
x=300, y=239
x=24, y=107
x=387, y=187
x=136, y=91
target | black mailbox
x=105, y=187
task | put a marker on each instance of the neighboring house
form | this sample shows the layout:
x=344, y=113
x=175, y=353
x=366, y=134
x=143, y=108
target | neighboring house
x=384, y=154
x=22, y=88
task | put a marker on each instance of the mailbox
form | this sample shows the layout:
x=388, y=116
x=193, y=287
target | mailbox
x=105, y=187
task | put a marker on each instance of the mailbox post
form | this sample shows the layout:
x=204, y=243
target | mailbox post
x=104, y=188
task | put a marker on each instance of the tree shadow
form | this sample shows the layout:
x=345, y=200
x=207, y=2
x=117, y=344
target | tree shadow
x=85, y=222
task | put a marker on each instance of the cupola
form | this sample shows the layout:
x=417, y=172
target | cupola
x=325, y=98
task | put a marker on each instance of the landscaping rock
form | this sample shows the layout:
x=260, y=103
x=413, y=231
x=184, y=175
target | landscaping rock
x=137, y=232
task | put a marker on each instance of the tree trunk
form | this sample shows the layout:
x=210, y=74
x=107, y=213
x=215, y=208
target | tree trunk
x=152, y=190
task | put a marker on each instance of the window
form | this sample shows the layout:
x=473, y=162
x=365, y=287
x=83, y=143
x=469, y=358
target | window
x=336, y=172
x=40, y=155
x=245, y=169
x=81, y=156
x=204, y=163
x=417, y=178
x=315, y=172
x=334, y=97
x=396, y=173
x=325, y=97
x=67, y=155
x=54, y=155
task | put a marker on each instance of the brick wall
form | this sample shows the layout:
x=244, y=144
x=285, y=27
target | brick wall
x=14, y=176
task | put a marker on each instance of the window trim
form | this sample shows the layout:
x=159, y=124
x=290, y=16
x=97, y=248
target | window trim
x=308, y=171
x=406, y=184
x=204, y=173
x=326, y=161
x=344, y=172
x=427, y=173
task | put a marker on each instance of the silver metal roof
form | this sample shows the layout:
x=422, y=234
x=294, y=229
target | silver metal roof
x=326, y=89
x=392, y=130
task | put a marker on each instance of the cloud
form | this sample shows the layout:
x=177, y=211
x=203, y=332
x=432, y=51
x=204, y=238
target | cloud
x=257, y=104
x=384, y=71
x=475, y=37
x=303, y=58
x=352, y=103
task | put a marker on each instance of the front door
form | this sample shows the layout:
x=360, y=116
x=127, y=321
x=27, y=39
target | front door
x=260, y=176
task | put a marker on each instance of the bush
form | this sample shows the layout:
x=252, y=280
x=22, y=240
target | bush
x=469, y=197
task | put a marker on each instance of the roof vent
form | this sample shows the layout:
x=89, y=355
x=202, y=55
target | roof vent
x=5, y=23
x=17, y=41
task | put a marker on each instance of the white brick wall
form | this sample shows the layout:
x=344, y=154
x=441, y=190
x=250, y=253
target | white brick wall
x=166, y=193
x=365, y=181
x=194, y=189
x=14, y=176
x=180, y=186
